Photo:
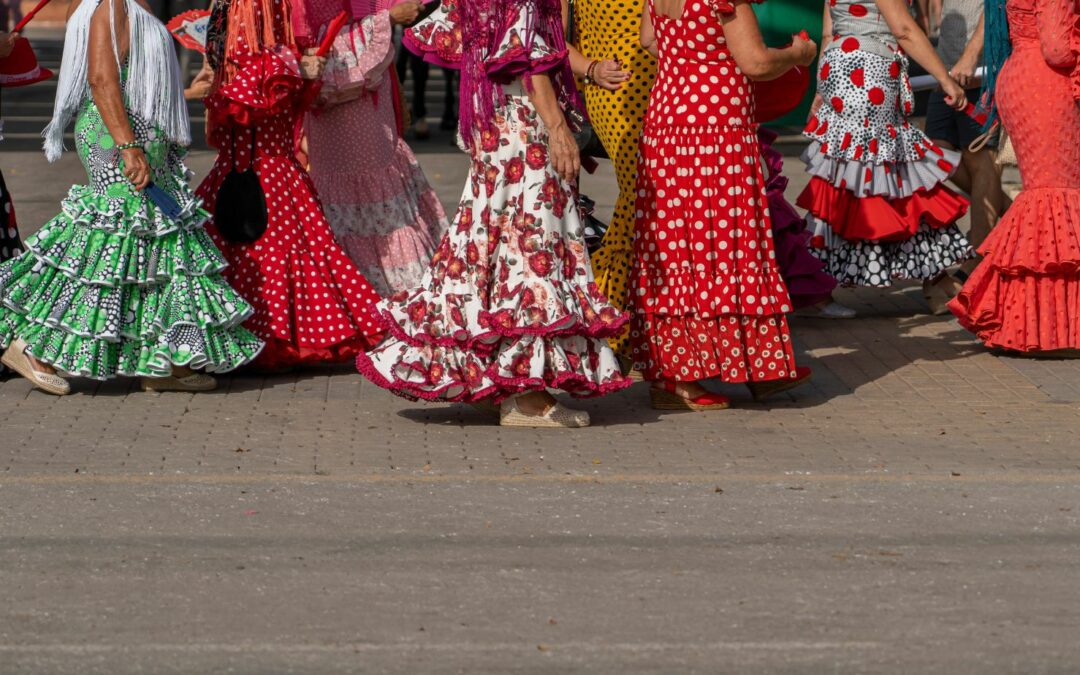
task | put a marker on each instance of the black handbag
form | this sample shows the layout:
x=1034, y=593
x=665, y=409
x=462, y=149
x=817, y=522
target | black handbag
x=240, y=213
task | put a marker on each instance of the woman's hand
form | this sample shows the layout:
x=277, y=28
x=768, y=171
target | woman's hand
x=136, y=168
x=815, y=106
x=312, y=66
x=608, y=74
x=201, y=85
x=7, y=43
x=954, y=94
x=805, y=50
x=564, y=153
x=404, y=13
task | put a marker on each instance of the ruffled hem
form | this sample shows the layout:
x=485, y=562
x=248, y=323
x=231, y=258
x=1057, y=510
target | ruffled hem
x=491, y=327
x=43, y=295
x=1039, y=234
x=1022, y=313
x=877, y=218
x=867, y=263
x=129, y=215
x=214, y=350
x=574, y=363
x=890, y=180
x=733, y=349
x=803, y=273
x=110, y=258
x=280, y=353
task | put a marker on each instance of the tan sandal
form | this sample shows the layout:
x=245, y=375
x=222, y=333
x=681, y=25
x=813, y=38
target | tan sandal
x=15, y=358
x=557, y=416
x=663, y=396
x=192, y=383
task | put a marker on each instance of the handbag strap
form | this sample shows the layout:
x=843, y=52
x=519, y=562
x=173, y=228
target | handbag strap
x=251, y=157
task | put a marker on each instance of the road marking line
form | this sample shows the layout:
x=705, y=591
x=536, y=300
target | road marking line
x=498, y=647
x=1070, y=478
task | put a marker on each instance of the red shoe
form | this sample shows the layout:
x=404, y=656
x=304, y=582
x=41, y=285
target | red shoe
x=763, y=390
x=664, y=397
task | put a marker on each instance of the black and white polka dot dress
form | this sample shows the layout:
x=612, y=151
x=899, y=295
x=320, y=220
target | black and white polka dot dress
x=878, y=206
x=10, y=243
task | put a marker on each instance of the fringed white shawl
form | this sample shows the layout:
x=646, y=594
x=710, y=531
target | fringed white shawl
x=153, y=90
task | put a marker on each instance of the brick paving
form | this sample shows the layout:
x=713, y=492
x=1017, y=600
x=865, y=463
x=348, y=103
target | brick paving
x=896, y=391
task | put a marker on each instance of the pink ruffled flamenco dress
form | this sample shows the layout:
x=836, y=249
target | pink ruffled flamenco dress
x=380, y=205
x=1025, y=294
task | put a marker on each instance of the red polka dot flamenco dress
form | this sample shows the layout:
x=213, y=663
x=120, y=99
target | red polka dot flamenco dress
x=878, y=208
x=707, y=296
x=312, y=304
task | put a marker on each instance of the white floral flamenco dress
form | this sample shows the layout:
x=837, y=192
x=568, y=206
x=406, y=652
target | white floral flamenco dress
x=878, y=207
x=508, y=304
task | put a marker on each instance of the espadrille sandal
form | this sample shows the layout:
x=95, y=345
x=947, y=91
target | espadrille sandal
x=193, y=382
x=15, y=358
x=664, y=397
x=557, y=416
x=763, y=390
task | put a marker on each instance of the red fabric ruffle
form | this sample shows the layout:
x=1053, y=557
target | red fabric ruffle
x=1025, y=295
x=733, y=349
x=876, y=218
x=267, y=84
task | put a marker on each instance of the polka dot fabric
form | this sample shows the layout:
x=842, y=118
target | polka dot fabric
x=10, y=243
x=610, y=29
x=311, y=302
x=1025, y=294
x=879, y=208
x=708, y=299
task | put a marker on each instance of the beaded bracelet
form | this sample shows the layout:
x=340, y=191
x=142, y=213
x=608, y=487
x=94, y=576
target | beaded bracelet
x=128, y=146
x=589, y=79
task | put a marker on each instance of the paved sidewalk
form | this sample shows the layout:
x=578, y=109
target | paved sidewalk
x=914, y=509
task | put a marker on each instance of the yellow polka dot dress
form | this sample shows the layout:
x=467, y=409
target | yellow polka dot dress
x=610, y=29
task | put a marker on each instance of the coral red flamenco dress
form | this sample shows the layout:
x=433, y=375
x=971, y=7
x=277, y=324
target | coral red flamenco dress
x=312, y=304
x=1025, y=294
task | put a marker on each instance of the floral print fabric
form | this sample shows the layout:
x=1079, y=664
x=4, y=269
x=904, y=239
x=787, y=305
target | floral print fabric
x=509, y=303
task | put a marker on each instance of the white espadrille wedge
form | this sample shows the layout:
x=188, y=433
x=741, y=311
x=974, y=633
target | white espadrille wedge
x=15, y=358
x=193, y=383
x=557, y=416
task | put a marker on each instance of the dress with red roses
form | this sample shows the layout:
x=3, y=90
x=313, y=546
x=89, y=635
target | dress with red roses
x=508, y=304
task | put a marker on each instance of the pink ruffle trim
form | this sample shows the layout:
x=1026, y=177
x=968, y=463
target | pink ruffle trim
x=485, y=343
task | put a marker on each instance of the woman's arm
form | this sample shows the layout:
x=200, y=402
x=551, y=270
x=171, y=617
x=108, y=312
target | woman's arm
x=103, y=75
x=922, y=14
x=917, y=45
x=1056, y=21
x=757, y=61
x=562, y=148
x=826, y=40
x=648, y=35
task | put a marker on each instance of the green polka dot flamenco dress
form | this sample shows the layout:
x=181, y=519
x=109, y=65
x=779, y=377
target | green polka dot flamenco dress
x=112, y=286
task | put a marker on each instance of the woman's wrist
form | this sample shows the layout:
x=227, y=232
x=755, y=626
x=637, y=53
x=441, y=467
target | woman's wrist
x=590, y=72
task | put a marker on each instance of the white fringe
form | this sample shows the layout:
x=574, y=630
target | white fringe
x=153, y=88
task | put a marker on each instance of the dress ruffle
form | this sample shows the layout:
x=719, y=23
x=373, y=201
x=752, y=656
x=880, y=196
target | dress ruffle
x=1025, y=294
x=437, y=39
x=801, y=271
x=95, y=302
x=736, y=349
x=890, y=180
x=266, y=84
x=878, y=218
x=925, y=255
